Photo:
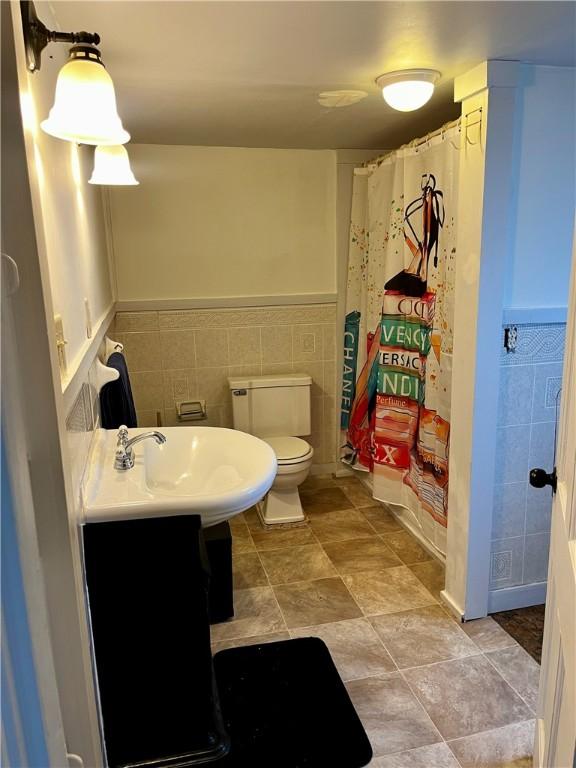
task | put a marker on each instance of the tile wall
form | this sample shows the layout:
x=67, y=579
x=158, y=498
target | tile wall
x=182, y=355
x=81, y=421
x=530, y=379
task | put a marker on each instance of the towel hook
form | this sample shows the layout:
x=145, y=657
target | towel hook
x=112, y=346
x=104, y=374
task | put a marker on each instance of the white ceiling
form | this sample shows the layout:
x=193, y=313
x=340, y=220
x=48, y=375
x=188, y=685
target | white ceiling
x=248, y=73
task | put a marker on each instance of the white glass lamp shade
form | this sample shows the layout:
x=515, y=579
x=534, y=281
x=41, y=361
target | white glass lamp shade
x=84, y=108
x=409, y=89
x=112, y=167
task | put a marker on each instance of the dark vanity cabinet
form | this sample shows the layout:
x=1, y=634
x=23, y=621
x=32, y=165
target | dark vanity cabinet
x=218, y=542
x=148, y=582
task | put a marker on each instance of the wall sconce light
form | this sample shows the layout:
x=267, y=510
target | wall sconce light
x=84, y=108
x=408, y=89
x=112, y=167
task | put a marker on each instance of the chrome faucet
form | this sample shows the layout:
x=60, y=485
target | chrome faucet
x=124, y=458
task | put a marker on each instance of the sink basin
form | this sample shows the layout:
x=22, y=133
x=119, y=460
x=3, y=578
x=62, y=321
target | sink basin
x=213, y=472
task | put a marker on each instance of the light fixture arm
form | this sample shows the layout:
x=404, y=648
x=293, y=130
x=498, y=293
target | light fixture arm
x=37, y=35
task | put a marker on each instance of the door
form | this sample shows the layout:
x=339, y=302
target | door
x=556, y=723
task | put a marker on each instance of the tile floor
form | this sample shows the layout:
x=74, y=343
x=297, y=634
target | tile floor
x=526, y=625
x=432, y=693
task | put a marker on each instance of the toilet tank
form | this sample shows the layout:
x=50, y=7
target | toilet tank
x=272, y=406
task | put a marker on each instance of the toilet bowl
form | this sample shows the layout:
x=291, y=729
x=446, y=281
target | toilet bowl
x=282, y=502
x=277, y=410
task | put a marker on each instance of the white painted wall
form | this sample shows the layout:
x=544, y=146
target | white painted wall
x=539, y=271
x=67, y=210
x=225, y=222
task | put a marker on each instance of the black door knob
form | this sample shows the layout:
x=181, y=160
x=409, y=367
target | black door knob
x=539, y=478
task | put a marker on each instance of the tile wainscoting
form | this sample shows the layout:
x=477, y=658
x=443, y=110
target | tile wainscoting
x=81, y=421
x=530, y=379
x=188, y=354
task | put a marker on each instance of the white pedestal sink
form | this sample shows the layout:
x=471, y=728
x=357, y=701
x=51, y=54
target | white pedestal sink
x=208, y=471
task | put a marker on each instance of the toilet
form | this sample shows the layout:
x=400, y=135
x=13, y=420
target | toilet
x=277, y=410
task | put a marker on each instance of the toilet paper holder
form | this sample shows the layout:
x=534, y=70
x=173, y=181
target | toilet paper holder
x=191, y=410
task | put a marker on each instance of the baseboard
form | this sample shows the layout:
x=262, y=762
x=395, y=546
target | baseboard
x=516, y=597
x=452, y=605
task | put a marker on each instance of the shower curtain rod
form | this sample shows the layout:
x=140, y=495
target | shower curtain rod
x=438, y=132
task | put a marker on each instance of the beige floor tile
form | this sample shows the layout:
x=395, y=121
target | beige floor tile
x=431, y=574
x=348, y=480
x=322, y=500
x=520, y=670
x=422, y=636
x=241, y=539
x=406, y=547
x=252, y=520
x=247, y=571
x=487, y=634
x=240, y=642
x=381, y=519
x=256, y=612
x=358, y=495
x=297, y=564
x=354, y=647
x=314, y=482
x=393, y=718
x=466, y=696
x=308, y=603
x=237, y=521
x=507, y=747
x=387, y=591
x=341, y=525
x=361, y=555
x=433, y=756
x=283, y=537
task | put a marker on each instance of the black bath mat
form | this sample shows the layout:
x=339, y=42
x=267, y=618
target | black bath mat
x=285, y=706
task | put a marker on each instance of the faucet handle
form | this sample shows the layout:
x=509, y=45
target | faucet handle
x=122, y=436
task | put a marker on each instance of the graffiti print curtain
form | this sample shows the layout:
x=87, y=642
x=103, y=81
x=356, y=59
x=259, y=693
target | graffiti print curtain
x=395, y=412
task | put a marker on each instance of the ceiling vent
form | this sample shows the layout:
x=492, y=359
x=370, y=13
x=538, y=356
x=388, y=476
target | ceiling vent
x=340, y=98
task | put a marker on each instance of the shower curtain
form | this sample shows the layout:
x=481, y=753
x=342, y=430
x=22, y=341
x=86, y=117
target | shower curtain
x=395, y=411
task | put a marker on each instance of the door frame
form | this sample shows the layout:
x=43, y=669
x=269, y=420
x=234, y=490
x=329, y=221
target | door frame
x=33, y=731
x=41, y=441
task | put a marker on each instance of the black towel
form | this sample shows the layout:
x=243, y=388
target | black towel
x=116, y=401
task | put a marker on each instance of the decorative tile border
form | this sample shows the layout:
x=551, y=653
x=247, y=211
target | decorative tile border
x=536, y=344
x=224, y=318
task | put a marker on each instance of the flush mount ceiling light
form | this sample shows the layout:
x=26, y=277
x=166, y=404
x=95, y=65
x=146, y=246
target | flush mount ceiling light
x=408, y=89
x=112, y=167
x=84, y=108
x=340, y=98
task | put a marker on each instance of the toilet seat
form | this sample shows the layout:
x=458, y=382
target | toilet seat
x=290, y=450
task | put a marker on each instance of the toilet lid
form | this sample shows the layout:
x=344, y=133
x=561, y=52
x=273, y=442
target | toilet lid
x=288, y=448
